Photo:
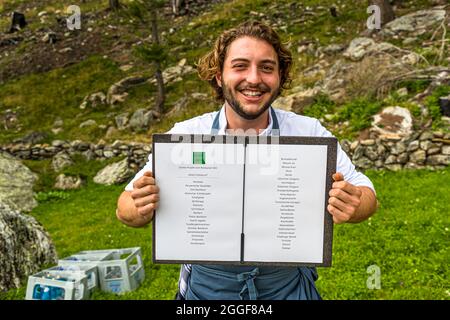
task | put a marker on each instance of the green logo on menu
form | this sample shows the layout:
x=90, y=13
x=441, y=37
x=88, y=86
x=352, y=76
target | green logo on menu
x=198, y=158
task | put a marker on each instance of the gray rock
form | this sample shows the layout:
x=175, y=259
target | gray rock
x=439, y=159
x=391, y=159
x=140, y=120
x=364, y=163
x=16, y=184
x=345, y=145
x=25, y=247
x=88, y=155
x=381, y=150
x=427, y=135
x=392, y=122
x=371, y=153
x=94, y=100
x=64, y=182
x=446, y=150
x=121, y=121
x=114, y=173
x=61, y=160
x=88, y=123
x=368, y=142
x=358, y=48
x=425, y=145
x=333, y=49
x=411, y=165
x=394, y=167
x=403, y=158
x=414, y=23
x=418, y=157
x=413, y=146
x=358, y=153
x=297, y=101
x=433, y=150
x=398, y=148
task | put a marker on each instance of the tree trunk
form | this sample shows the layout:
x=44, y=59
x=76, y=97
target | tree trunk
x=177, y=7
x=114, y=4
x=161, y=97
x=386, y=11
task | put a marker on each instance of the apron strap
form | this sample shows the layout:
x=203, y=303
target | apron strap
x=275, y=124
x=249, y=285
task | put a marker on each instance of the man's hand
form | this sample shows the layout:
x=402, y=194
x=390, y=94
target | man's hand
x=145, y=195
x=345, y=200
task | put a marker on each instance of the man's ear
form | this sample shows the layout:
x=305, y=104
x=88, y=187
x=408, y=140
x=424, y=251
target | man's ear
x=219, y=79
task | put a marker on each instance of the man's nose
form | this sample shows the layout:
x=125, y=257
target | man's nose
x=253, y=75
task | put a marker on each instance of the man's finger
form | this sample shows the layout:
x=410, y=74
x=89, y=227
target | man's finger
x=148, y=174
x=338, y=215
x=143, y=181
x=348, y=187
x=140, y=202
x=338, y=176
x=144, y=191
x=345, y=197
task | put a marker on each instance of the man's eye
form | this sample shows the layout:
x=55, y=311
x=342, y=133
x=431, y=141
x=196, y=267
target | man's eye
x=267, y=68
x=239, y=66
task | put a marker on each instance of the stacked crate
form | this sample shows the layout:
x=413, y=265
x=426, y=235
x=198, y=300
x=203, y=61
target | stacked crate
x=75, y=277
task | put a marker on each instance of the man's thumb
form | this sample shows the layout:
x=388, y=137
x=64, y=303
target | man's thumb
x=338, y=176
x=148, y=174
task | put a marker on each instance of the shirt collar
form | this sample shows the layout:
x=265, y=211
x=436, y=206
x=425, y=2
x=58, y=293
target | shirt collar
x=223, y=123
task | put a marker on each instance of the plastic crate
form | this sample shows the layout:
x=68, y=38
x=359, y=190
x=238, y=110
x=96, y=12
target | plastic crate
x=91, y=273
x=57, y=285
x=119, y=270
x=86, y=258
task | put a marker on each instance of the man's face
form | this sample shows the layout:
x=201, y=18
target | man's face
x=250, y=79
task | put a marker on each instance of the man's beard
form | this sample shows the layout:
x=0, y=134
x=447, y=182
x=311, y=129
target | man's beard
x=237, y=107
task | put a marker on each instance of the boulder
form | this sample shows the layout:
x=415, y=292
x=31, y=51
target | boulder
x=392, y=122
x=175, y=73
x=25, y=247
x=414, y=23
x=61, y=160
x=140, y=120
x=121, y=121
x=16, y=184
x=94, y=100
x=115, y=173
x=64, y=182
x=298, y=101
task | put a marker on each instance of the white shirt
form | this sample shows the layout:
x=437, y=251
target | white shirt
x=291, y=124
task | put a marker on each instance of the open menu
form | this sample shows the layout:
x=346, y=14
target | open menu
x=243, y=200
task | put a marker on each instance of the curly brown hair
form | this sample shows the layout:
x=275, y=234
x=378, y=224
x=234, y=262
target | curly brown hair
x=212, y=63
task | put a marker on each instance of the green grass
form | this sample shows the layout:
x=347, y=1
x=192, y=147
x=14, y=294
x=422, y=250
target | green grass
x=407, y=239
x=432, y=103
x=58, y=93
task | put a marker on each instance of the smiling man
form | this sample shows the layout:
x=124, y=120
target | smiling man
x=248, y=68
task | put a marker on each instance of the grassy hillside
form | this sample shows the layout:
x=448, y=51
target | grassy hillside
x=42, y=83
